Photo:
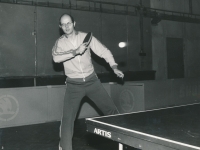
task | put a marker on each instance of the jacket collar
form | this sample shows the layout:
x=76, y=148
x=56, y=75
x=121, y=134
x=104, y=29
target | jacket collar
x=76, y=33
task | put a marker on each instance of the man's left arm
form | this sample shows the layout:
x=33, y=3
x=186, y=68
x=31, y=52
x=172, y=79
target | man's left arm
x=118, y=72
x=102, y=51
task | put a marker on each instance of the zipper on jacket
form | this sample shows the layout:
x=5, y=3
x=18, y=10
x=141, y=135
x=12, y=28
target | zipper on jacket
x=81, y=68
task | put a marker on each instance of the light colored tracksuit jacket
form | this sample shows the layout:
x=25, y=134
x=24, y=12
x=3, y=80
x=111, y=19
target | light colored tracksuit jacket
x=79, y=66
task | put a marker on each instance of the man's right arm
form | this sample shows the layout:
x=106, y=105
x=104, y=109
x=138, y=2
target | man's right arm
x=62, y=56
x=59, y=55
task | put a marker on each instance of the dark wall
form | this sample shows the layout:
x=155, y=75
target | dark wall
x=24, y=53
x=17, y=46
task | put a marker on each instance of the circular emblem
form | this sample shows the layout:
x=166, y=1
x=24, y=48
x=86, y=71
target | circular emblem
x=9, y=107
x=127, y=100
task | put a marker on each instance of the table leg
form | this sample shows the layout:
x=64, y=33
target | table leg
x=120, y=146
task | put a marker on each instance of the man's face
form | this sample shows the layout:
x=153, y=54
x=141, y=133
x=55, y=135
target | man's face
x=67, y=25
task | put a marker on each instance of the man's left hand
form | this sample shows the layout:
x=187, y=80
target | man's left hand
x=118, y=73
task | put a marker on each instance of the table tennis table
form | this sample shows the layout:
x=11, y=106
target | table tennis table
x=171, y=128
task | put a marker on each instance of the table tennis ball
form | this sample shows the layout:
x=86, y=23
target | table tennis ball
x=122, y=44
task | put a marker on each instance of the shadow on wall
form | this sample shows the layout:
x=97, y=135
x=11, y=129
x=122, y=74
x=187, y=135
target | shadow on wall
x=58, y=67
x=61, y=31
x=100, y=61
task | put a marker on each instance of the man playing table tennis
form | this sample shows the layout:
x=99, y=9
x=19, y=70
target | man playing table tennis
x=81, y=77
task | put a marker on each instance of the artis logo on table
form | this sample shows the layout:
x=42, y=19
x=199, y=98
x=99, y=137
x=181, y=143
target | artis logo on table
x=102, y=133
x=9, y=107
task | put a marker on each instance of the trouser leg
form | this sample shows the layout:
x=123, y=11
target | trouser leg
x=100, y=97
x=73, y=97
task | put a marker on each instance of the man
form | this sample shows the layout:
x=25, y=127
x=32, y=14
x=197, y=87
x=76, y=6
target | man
x=81, y=78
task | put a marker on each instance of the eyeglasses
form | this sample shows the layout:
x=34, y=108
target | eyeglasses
x=66, y=25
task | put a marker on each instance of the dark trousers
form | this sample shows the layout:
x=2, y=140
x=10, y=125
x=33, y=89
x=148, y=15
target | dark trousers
x=74, y=94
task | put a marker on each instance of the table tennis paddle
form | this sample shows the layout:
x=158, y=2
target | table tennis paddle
x=88, y=38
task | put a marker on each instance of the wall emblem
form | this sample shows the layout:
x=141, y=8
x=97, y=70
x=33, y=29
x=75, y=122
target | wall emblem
x=127, y=100
x=9, y=107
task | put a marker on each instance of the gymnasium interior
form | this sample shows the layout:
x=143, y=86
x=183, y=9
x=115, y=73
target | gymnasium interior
x=156, y=43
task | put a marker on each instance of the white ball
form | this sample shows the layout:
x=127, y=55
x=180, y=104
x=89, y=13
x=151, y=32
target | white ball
x=122, y=44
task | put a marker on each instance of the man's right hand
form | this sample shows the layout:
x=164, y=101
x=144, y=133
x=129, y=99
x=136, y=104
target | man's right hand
x=81, y=49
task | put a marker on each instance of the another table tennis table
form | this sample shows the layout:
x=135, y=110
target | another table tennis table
x=172, y=128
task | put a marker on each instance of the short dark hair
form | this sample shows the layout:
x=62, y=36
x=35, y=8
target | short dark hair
x=72, y=18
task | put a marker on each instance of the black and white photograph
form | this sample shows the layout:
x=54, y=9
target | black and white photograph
x=99, y=74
